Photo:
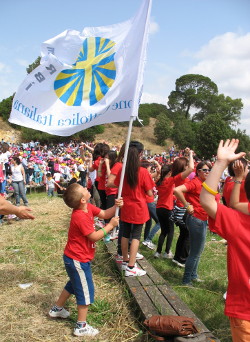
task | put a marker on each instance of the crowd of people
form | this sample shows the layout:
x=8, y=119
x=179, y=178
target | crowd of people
x=174, y=188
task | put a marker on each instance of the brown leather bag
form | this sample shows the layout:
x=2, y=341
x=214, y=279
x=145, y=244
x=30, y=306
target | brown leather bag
x=170, y=326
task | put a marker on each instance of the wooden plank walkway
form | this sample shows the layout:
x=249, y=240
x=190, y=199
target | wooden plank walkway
x=154, y=296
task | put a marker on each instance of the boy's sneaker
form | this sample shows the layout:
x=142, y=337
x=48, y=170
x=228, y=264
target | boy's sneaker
x=85, y=330
x=124, y=265
x=134, y=272
x=139, y=256
x=58, y=313
x=119, y=259
x=168, y=255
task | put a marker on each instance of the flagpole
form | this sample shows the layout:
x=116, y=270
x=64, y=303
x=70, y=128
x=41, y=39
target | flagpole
x=132, y=118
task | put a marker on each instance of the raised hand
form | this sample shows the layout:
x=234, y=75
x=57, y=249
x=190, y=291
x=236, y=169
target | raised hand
x=226, y=151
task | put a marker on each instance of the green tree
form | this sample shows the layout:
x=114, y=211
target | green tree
x=163, y=129
x=211, y=130
x=5, y=107
x=228, y=109
x=191, y=92
x=183, y=132
x=33, y=65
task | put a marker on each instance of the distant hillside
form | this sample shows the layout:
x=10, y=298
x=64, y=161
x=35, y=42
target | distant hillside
x=7, y=133
x=114, y=134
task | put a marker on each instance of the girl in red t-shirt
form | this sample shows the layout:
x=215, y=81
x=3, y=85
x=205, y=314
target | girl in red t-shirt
x=196, y=220
x=137, y=183
x=165, y=204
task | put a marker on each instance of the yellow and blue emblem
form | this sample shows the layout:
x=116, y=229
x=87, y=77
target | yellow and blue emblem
x=91, y=75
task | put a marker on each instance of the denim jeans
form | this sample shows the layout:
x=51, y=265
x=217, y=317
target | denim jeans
x=197, y=236
x=148, y=235
x=19, y=191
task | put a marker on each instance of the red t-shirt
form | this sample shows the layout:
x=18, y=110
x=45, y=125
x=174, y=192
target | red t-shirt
x=193, y=197
x=165, y=192
x=227, y=190
x=235, y=227
x=135, y=208
x=78, y=246
x=115, y=169
x=179, y=182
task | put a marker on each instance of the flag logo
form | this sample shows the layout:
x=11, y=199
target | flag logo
x=91, y=76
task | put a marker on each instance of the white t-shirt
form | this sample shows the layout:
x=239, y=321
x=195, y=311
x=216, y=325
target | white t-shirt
x=17, y=175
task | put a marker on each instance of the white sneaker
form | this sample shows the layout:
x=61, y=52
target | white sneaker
x=157, y=255
x=139, y=256
x=86, y=330
x=225, y=296
x=134, y=272
x=178, y=263
x=58, y=313
x=168, y=255
x=148, y=244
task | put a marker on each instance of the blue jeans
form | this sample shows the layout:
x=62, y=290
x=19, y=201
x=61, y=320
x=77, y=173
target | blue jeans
x=19, y=191
x=197, y=236
x=148, y=235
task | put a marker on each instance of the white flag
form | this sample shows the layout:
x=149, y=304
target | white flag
x=85, y=78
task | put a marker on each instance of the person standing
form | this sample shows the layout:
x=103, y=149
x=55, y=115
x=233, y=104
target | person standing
x=18, y=180
x=234, y=226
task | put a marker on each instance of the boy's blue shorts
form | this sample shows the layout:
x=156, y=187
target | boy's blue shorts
x=81, y=282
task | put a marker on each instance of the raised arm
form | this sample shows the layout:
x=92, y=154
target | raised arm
x=225, y=155
x=190, y=167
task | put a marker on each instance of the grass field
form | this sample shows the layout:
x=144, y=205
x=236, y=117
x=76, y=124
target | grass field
x=31, y=253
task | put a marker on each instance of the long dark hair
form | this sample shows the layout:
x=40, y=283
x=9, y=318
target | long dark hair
x=247, y=186
x=179, y=165
x=164, y=171
x=112, y=155
x=133, y=163
x=100, y=150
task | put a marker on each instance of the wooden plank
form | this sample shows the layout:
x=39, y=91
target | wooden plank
x=162, y=305
x=144, y=302
x=151, y=271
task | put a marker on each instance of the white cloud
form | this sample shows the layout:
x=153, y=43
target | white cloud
x=4, y=69
x=153, y=27
x=226, y=60
x=153, y=98
x=22, y=62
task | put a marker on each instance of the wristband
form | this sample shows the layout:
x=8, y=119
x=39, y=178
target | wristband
x=237, y=182
x=104, y=232
x=187, y=205
x=211, y=191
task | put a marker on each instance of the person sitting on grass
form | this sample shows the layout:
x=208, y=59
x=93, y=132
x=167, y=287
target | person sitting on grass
x=79, y=252
x=234, y=226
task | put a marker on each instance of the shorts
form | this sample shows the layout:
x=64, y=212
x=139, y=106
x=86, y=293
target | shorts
x=132, y=230
x=81, y=282
x=240, y=329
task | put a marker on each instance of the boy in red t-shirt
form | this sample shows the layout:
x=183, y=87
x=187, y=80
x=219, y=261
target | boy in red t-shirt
x=234, y=226
x=79, y=252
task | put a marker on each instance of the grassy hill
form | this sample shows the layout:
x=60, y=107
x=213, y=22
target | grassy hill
x=113, y=134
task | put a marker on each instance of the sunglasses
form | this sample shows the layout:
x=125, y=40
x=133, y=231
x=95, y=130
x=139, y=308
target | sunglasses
x=205, y=170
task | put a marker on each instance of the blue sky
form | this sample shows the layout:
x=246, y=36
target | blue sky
x=208, y=37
